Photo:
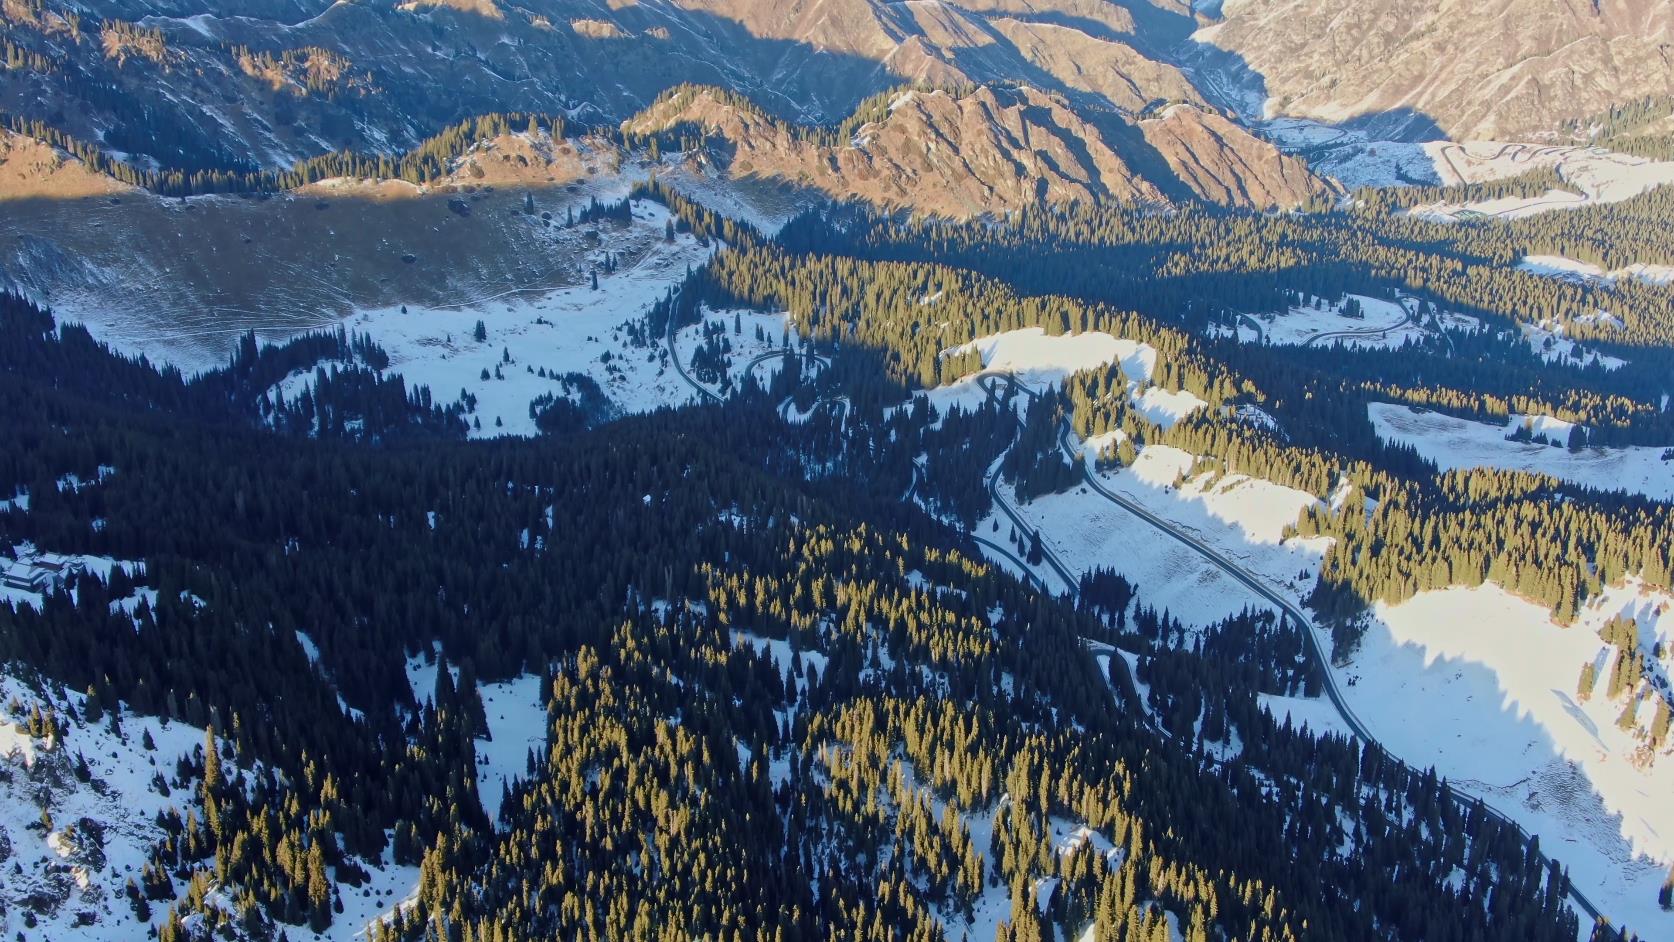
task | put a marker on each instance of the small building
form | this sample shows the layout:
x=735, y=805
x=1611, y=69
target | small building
x=40, y=573
x=21, y=575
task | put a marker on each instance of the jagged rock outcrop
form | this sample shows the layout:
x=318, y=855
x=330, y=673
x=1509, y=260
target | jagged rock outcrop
x=997, y=149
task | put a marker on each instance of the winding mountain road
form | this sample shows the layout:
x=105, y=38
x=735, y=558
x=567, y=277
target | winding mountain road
x=1379, y=332
x=990, y=381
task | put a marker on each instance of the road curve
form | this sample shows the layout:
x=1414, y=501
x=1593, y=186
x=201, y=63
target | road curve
x=750, y=367
x=990, y=380
x=674, y=356
x=1361, y=331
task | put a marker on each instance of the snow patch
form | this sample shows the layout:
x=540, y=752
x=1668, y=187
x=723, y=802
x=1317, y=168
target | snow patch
x=1483, y=685
x=1461, y=443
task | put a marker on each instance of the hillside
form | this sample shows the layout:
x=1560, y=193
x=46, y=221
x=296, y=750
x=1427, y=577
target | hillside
x=751, y=680
x=255, y=83
x=1495, y=70
x=212, y=266
x=993, y=150
x=842, y=470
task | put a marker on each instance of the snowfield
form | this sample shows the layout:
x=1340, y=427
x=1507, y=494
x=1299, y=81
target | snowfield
x=1548, y=342
x=84, y=880
x=1600, y=175
x=1354, y=159
x=1240, y=516
x=1038, y=358
x=1560, y=266
x=777, y=335
x=1166, y=407
x=1318, y=714
x=516, y=713
x=572, y=329
x=1386, y=324
x=1483, y=686
x=126, y=809
x=1461, y=443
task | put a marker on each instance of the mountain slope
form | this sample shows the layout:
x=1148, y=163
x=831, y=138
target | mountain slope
x=1482, y=69
x=258, y=83
x=996, y=149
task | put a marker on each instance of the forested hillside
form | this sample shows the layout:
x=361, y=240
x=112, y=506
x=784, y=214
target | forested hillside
x=1040, y=472
x=774, y=709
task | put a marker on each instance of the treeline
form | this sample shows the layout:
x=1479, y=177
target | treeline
x=1200, y=268
x=352, y=397
x=427, y=163
x=1529, y=183
x=1644, y=127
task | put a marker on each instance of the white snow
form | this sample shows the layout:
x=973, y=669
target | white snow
x=1318, y=714
x=783, y=656
x=1461, y=443
x=1349, y=155
x=1547, y=340
x=125, y=802
x=1483, y=686
x=516, y=711
x=1166, y=407
x=1242, y=517
x=1039, y=358
x=1600, y=175
x=570, y=329
x=1561, y=266
x=1386, y=324
x=308, y=647
x=776, y=329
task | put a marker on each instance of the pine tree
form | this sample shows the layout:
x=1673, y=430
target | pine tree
x=1589, y=680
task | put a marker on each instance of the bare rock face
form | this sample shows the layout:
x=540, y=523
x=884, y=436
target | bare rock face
x=1223, y=163
x=1113, y=71
x=998, y=149
x=1478, y=69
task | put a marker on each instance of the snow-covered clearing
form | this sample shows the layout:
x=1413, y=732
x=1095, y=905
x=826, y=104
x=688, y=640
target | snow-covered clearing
x=1599, y=175
x=1318, y=714
x=750, y=335
x=93, y=879
x=572, y=329
x=1561, y=266
x=1483, y=686
x=1165, y=407
x=76, y=878
x=1461, y=443
x=965, y=393
x=1037, y=357
x=1350, y=156
x=516, y=713
x=784, y=656
x=1547, y=340
x=1242, y=517
x=1385, y=324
